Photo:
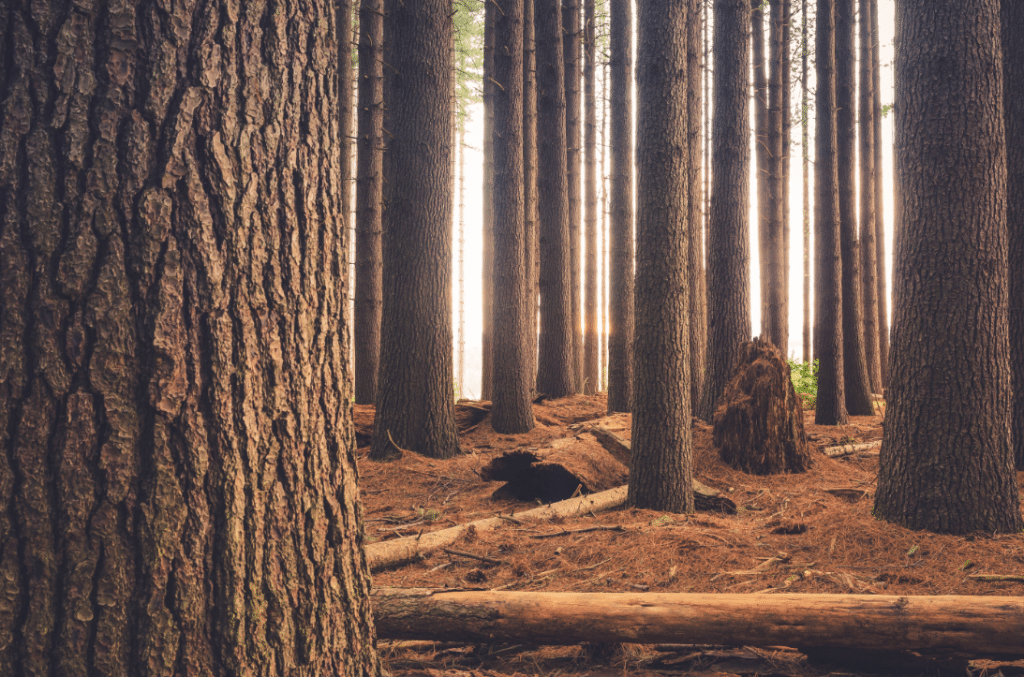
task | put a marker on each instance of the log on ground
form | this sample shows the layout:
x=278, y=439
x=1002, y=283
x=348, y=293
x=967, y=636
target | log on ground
x=974, y=625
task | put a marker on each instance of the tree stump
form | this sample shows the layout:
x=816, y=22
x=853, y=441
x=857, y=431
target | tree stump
x=759, y=423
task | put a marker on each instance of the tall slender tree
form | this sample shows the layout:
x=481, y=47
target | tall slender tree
x=697, y=308
x=512, y=410
x=787, y=155
x=774, y=307
x=868, y=248
x=828, y=264
x=554, y=362
x=487, y=267
x=947, y=459
x=415, y=407
x=855, y=370
x=728, y=248
x=590, y=370
x=166, y=252
x=574, y=145
x=883, y=297
x=530, y=182
x=368, y=196
x=620, y=254
x=1012, y=16
x=805, y=152
x=605, y=303
x=661, y=472
x=762, y=158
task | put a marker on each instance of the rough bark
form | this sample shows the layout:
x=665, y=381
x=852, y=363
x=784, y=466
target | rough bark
x=828, y=301
x=574, y=146
x=177, y=469
x=414, y=387
x=774, y=313
x=661, y=474
x=868, y=246
x=487, y=263
x=1013, y=114
x=947, y=461
x=591, y=381
x=855, y=369
x=554, y=368
x=368, y=200
x=759, y=426
x=973, y=625
x=620, y=251
x=512, y=410
x=762, y=154
x=805, y=152
x=728, y=247
x=460, y=345
x=530, y=185
x=883, y=297
x=602, y=354
x=697, y=306
x=786, y=159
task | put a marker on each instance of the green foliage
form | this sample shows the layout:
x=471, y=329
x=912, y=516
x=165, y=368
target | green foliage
x=468, y=21
x=886, y=109
x=805, y=381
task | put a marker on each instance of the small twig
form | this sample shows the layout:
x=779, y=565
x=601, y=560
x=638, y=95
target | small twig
x=1015, y=578
x=481, y=558
x=580, y=531
x=441, y=566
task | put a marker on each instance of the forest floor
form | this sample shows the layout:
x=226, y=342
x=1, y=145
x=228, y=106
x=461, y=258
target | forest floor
x=809, y=533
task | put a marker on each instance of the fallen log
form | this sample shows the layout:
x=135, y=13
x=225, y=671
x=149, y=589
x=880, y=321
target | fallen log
x=847, y=449
x=400, y=550
x=976, y=625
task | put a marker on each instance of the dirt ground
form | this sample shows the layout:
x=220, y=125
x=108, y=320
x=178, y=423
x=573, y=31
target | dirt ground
x=811, y=533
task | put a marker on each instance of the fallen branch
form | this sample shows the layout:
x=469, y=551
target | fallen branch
x=580, y=531
x=400, y=550
x=996, y=577
x=469, y=555
x=847, y=449
x=976, y=625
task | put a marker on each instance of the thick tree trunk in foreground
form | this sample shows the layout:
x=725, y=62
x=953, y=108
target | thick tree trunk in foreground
x=697, y=282
x=947, y=462
x=512, y=410
x=1013, y=115
x=620, y=254
x=661, y=473
x=530, y=186
x=415, y=403
x=554, y=367
x=368, y=199
x=974, y=625
x=591, y=374
x=487, y=264
x=728, y=247
x=163, y=408
x=828, y=301
x=868, y=246
x=855, y=371
x=571, y=53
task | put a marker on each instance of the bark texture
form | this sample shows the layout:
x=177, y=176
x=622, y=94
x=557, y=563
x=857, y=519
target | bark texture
x=571, y=53
x=728, y=247
x=415, y=388
x=554, y=362
x=883, y=296
x=774, y=313
x=697, y=306
x=369, y=163
x=946, y=463
x=591, y=381
x=805, y=152
x=512, y=410
x=868, y=246
x=620, y=250
x=1013, y=115
x=828, y=301
x=661, y=473
x=762, y=153
x=177, y=471
x=530, y=186
x=487, y=267
x=855, y=371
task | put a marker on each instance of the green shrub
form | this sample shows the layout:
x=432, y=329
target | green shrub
x=805, y=381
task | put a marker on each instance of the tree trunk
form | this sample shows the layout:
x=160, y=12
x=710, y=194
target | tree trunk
x=530, y=185
x=620, y=255
x=460, y=359
x=728, y=247
x=573, y=128
x=591, y=382
x=1013, y=114
x=414, y=388
x=828, y=308
x=697, y=306
x=554, y=368
x=762, y=158
x=661, y=473
x=868, y=247
x=487, y=267
x=602, y=359
x=855, y=370
x=787, y=150
x=368, y=196
x=805, y=124
x=883, y=297
x=512, y=410
x=947, y=461
x=977, y=626
x=163, y=408
x=774, y=315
